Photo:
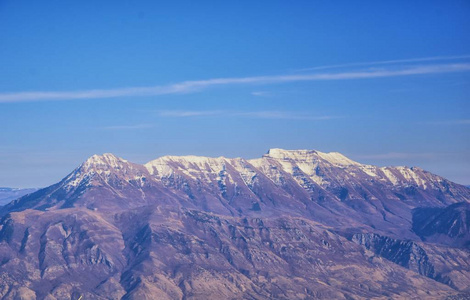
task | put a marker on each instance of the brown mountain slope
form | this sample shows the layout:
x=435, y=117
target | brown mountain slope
x=291, y=225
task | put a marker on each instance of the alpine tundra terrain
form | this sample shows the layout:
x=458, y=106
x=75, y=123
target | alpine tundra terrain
x=297, y=224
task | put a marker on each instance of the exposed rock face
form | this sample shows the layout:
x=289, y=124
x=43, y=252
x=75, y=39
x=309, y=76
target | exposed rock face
x=450, y=266
x=293, y=224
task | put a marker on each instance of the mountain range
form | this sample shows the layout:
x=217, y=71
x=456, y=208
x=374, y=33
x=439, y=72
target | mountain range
x=293, y=224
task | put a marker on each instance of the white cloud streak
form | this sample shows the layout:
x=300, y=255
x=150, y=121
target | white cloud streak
x=387, y=62
x=198, y=85
x=287, y=115
x=189, y=113
x=130, y=127
x=451, y=122
x=266, y=114
x=399, y=155
x=261, y=94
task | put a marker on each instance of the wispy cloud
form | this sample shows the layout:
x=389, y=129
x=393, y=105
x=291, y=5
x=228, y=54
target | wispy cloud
x=189, y=113
x=198, y=85
x=261, y=94
x=387, y=62
x=288, y=115
x=399, y=155
x=265, y=114
x=450, y=122
x=128, y=127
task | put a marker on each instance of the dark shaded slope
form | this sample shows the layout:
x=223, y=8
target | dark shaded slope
x=449, y=225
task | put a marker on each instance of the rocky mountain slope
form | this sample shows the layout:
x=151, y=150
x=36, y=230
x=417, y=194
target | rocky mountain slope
x=296, y=224
x=445, y=225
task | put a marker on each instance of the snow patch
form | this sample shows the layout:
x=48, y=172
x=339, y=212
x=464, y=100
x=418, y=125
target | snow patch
x=392, y=178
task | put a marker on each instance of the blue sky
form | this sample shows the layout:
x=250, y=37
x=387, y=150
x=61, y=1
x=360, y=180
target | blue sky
x=383, y=82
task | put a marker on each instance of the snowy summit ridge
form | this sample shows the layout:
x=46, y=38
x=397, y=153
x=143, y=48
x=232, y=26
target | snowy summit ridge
x=305, y=167
x=310, y=155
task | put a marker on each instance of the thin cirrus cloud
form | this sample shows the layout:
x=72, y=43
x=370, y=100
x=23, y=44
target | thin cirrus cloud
x=287, y=115
x=189, y=113
x=387, y=62
x=400, y=155
x=451, y=122
x=129, y=127
x=198, y=85
x=262, y=94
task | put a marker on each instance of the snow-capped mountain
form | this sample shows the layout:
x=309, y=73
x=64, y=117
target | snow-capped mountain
x=189, y=226
x=324, y=186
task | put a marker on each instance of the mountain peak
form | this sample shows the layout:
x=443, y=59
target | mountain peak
x=106, y=159
x=335, y=158
x=103, y=168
